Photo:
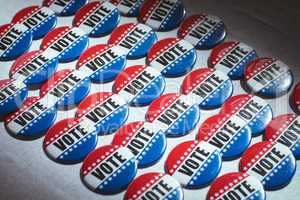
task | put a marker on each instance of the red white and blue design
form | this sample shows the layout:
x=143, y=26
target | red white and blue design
x=154, y=185
x=129, y=8
x=145, y=140
x=134, y=38
x=109, y=169
x=194, y=164
x=255, y=111
x=102, y=63
x=232, y=58
x=97, y=18
x=226, y=132
x=64, y=7
x=271, y=163
x=139, y=85
x=174, y=114
x=204, y=31
x=39, y=20
x=295, y=98
x=207, y=87
x=236, y=185
x=162, y=15
x=172, y=56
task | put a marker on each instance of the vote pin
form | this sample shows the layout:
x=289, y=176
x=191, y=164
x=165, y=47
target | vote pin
x=271, y=163
x=145, y=140
x=162, y=15
x=97, y=18
x=204, y=31
x=207, y=87
x=65, y=43
x=236, y=185
x=134, y=38
x=128, y=8
x=295, y=98
x=139, y=85
x=232, y=58
x=194, y=164
x=64, y=7
x=172, y=56
x=154, y=185
x=39, y=20
x=109, y=169
x=174, y=114
x=15, y=39
x=285, y=129
x=255, y=111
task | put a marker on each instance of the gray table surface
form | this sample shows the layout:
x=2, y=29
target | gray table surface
x=271, y=27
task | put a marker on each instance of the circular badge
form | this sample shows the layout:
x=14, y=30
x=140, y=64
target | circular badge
x=64, y=7
x=32, y=120
x=268, y=77
x=15, y=39
x=144, y=140
x=154, y=186
x=194, y=164
x=209, y=88
x=102, y=63
x=174, y=114
x=255, y=111
x=33, y=67
x=162, y=15
x=232, y=58
x=104, y=110
x=65, y=43
x=139, y=85
x=70, y=140
x=97, y=18
x=271, y=163
x=109, y=169
x=12, y=94
x=66, y=88
x=39, y=20
x=172, y=56
x=226, y=132
x=134, y=38
x=204, y=31
x=236, y=186
x=285, y=129
x=128, y=8
x=295, y=98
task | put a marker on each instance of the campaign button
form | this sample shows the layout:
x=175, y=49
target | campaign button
x=65, y=43
x=268, y=77
x=207, y=87
x=66, y=88
x=97, y=18
x=32, y=120
x=12, y=95
x=162, y=15
x=272, y=163
x=15, y=39
x=104, y=110
x=232, y=58
x=255, y=111
x=154, y=185
x=174, y=114
x=70, y=140
x=226, y=132
x=285, y=129
x=204, y=31
x=102, y=63
x=194, y=164
x=172, y=56
x=64, y=7
x=139, y=85
x=33, y=67
x=129, y=8
x=295, y=98
x=109, y=169
x=146, y=141
x=39, y=20
x=134, y=38
x=236, y=185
